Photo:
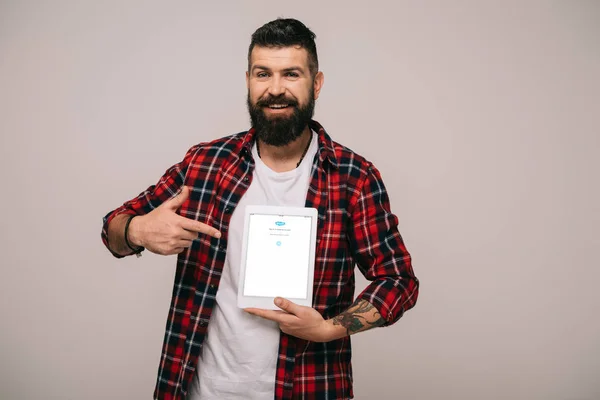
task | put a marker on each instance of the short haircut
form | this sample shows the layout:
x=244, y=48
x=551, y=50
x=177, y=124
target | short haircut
x=286, y=32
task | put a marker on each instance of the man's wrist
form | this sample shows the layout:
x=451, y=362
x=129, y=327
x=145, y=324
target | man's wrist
x=333, y=331
x=133, y=233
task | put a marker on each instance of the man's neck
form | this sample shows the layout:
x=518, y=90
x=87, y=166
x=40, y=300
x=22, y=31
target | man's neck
x=285, y=158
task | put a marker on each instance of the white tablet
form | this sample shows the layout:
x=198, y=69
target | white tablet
x=278, y=256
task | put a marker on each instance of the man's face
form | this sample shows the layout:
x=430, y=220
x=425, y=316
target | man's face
x=281, y=93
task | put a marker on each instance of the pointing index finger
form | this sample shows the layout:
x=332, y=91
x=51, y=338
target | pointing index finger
x=196, y=226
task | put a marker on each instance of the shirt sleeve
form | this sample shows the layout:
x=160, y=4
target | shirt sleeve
x=153, y=196
x=380, y=253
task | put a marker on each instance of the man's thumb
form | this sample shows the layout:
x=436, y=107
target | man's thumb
x=175, y=202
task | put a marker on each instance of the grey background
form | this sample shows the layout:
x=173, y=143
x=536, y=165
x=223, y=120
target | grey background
x=483, y=118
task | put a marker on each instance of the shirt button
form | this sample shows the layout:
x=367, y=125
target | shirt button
x=228, y=210
x=246, y=179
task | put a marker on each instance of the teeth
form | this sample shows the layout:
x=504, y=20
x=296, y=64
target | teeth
x=278, y=105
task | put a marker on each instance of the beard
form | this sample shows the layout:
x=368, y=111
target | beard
x=280, y=130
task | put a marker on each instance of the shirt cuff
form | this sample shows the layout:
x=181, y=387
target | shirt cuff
x=391, y=297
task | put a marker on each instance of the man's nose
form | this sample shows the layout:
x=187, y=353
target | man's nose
x=276, y=87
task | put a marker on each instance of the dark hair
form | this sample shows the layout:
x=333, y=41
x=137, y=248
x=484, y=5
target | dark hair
x=285, y=32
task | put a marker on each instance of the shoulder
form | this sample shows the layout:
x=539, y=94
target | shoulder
x=350, y=163
x=218, y=149
x=345, y=160
x=348, y=157
x=355, y=174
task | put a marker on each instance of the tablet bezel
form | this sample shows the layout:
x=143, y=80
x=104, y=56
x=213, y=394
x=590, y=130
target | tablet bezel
x=265, y=302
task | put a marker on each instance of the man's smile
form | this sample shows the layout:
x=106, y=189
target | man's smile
x=278, y=108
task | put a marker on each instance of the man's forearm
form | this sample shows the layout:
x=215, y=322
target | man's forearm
x=359, y=317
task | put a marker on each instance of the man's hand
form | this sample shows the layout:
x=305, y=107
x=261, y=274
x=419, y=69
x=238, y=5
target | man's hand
x=299, y=321
x=307, y=323
x=163, y=231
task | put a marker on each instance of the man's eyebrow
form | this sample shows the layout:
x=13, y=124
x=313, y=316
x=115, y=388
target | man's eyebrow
x=292, y=69
x=260, y=67
x=289, y=69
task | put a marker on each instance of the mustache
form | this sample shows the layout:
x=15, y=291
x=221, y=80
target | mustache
x=268, y=101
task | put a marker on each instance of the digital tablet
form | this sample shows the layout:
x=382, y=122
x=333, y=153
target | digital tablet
x=278, y=256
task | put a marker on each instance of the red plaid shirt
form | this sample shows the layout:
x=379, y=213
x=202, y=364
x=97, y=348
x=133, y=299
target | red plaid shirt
x=356, y=226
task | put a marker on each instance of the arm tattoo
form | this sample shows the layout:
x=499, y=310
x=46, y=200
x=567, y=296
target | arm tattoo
x=355, y=319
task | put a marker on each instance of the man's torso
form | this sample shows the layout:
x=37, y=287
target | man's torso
x=239, y=355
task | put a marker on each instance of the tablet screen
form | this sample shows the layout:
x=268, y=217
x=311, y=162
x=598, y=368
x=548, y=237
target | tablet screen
x=277, y=256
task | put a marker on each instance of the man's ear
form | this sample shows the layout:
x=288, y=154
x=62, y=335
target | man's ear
x=318, y=84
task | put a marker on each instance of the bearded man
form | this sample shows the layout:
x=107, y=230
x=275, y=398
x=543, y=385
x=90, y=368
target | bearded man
x=214, y=350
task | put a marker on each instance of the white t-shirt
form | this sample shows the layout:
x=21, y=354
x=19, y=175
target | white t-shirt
x=239, y=355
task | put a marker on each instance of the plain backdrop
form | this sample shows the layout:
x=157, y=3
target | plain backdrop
x=483, y=118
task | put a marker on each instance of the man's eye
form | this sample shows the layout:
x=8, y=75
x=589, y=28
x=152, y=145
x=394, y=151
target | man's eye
x=292, y=74
x=262, y=75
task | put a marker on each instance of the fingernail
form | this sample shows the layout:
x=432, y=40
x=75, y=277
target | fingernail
x=278, y=301
x=218, y=235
